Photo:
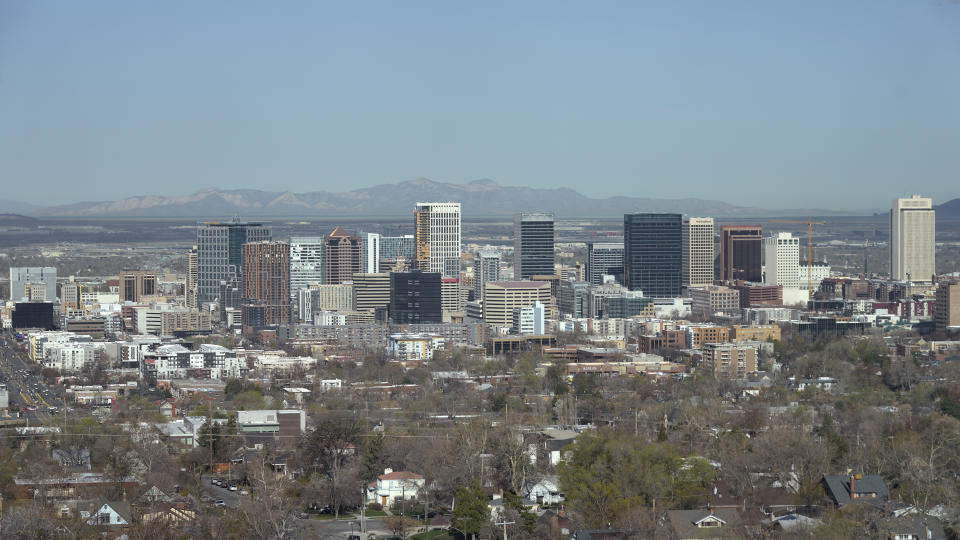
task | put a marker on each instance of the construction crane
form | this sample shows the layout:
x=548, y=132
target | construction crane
x=809, y=223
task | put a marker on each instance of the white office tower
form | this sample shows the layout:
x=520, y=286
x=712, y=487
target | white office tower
x=486, y=268
x=781, y=256
x=370, y=257
x=697, y=260
x=306, y=264
x=437, y=231
x=529, y=320
x=912, y=240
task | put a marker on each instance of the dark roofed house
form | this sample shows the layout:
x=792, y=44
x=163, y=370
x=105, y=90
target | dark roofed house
x=606, y=534
x=844, y=489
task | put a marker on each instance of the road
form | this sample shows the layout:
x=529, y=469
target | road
x=229, y=498
x=24, y=386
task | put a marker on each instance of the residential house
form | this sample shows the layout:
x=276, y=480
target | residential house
x=111, y=513
x=702, y=523
x=844, y=489
x=544, y=492
x=392, y=486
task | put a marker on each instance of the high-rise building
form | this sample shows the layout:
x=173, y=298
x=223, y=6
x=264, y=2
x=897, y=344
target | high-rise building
x=415, y=298
x=529, y=320
x=741, y=251
x=190, y=288
x=486, y=268
x=697, y=241
x=500, y=298
x=370, y=262
x=341, y=257
x=912, y=239
x=371, y=291
x=781, y=260
x=570, y=297
x=604, y=258
x=70, y=295
x=450, y=294
x=20, y=277
x=652, y=254
x=219, y=253
x=306, y=262
x=437, y=231
x=947, y=311
x=266, y=280
x=533, y=239
x=398, y=247
x=134, y=285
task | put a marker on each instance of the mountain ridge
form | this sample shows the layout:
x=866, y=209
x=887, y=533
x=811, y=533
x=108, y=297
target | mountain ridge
x=481, y=197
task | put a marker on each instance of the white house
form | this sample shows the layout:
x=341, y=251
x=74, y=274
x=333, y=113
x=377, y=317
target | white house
x=544, y=492
x=111, y=513
x=392, y=486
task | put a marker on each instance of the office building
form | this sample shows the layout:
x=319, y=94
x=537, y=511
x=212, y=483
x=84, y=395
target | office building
x=341, y=257
x=710, y=299
x=604, y=258
x=371, y=291
x=741, y=257
x=70, y=296
x=486, y=268
x=450, y=294
x=529, y=320
x=781, y=260
x=625, y=305
x=370, y=261
x=437, y=232
x=190, y=287
x=219, y=253
x=306, y=264
x=912, y=239
x=500, y=298
x=415, y=298
x=134, y=285
x=697, y=242
x=266, y=281
x=328, y=297
x=32, y=315
x=947, y=310
x=533, y=238
x=570, y=298
x=24, y=278
x=397, y=247
x=652, y=254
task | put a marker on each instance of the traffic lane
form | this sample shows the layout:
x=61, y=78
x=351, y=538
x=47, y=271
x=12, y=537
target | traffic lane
x=229, y=498
x=342, y=528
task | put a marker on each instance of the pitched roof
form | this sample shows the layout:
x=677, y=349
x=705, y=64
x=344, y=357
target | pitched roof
x=338, y=232
x=685, y=522
x=838, y=488
x=400, y=475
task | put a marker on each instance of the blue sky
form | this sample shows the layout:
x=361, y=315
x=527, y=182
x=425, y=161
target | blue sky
x=830, y=104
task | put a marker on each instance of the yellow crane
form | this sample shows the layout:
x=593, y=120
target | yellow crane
x=809, y=223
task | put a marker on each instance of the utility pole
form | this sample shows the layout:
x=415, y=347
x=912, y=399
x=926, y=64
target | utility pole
x=505, y=523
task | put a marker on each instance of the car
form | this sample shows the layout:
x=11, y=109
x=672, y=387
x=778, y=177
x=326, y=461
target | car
x=220, y=503
x=233, y=487
x=244, y=492
x=214, y=481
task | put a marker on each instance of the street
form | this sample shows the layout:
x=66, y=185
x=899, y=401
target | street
x=26, y=389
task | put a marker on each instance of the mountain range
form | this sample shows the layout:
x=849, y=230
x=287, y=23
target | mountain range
x=480, y=198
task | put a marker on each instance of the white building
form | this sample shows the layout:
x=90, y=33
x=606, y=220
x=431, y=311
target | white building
x=912, y=239
x=269, y=363
x=306, y=263
x=329, y=318
x=697, y=255
x=393, y=486
x=529, y=320
x=486, y=269
x=370, y=257
x=438, y=240
x=414, y=346
x=781, y=255
x=818, y=271
x=70, y=358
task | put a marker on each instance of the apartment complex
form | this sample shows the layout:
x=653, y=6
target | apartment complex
x=266, y=280
x=438, y=241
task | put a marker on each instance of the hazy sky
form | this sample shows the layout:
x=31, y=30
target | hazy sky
x=833, y=104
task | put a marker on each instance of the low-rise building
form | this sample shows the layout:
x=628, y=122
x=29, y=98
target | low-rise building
x=392, y=486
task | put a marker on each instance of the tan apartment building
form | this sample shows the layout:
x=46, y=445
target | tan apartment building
x=762, y=332
x=730, y=360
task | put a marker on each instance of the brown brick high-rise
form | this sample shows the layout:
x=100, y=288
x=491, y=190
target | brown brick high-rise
x=342, y=256
x=266, y=280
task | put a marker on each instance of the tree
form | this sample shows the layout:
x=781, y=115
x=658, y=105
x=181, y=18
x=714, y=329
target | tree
x=400, y=526
x=471, y=512
x=371, y=464
x=328, y=448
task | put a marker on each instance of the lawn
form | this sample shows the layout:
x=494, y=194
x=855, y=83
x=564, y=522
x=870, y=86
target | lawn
x=436, y=534
x=373, y=513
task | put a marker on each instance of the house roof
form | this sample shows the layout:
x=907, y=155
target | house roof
x=120, y=507
x=400, y=475
x=838, y=488
x=685, y=522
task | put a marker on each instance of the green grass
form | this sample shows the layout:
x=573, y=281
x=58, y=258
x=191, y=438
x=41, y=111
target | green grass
x=373, y=513
x=324, y=517
x=436, y=534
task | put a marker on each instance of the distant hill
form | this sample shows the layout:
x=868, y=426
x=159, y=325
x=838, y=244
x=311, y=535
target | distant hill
x=949, y=209
x=16, y=220
x=16, y=207
x=480, y=198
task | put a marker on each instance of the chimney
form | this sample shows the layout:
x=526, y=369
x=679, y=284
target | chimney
x=851, y=485
x=387, y=470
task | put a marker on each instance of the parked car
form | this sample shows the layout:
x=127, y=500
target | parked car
x=220, y=503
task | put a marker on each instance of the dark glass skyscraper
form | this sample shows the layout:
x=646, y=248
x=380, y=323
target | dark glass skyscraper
x=415, y=298
x=219, y=253
x=740, y=253
x=652, y=253
x=533, y=245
